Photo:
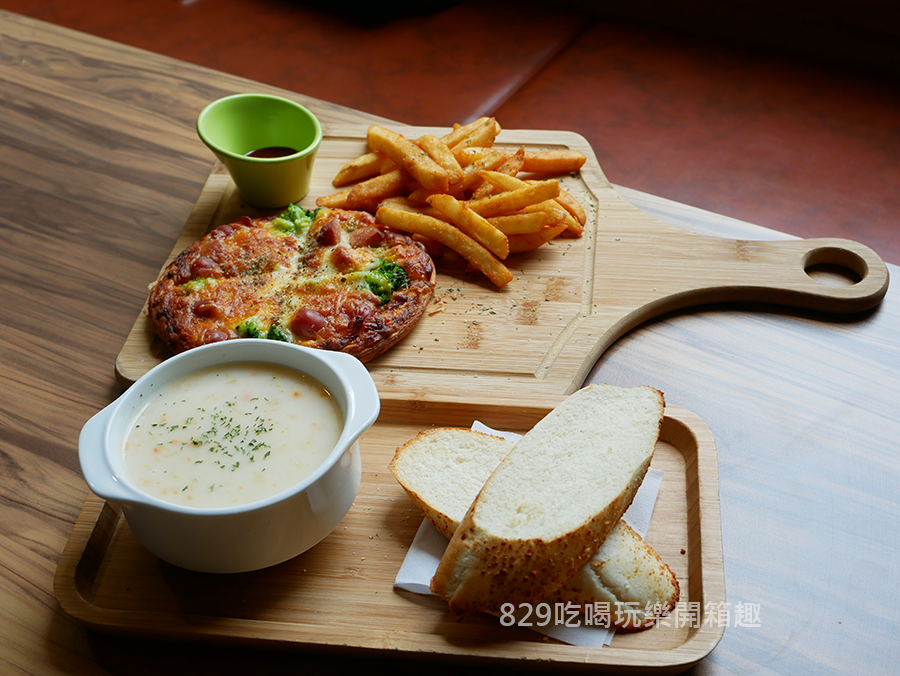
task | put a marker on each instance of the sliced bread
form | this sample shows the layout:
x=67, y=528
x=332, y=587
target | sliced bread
x=626, y=580
x=552, y=500
x=442, y=469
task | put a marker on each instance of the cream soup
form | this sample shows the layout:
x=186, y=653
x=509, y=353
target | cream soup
x=231, y=434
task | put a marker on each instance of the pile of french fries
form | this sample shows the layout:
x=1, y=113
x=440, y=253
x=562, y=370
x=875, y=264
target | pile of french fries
x=462, y=192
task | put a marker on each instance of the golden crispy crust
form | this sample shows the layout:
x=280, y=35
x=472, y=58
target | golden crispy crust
x=308, y=288
x=625, y=584
x=480, y=571
x=492, y=559
x=626, y=580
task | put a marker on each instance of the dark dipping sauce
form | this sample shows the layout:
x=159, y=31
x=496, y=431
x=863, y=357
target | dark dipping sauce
x=271, y=151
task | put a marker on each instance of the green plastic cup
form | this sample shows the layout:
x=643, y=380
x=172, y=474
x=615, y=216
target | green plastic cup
x=265, y=125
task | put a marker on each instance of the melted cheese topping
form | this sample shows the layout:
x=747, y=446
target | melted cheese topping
x=317, y=286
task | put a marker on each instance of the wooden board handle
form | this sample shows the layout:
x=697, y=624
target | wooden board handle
x=825, y=274
x=688, y=270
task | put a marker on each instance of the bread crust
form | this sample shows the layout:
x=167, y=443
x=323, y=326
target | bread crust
x=625, y=584
x=479, y=571
x=482, y=570
x=625, y=580
x=250, y=269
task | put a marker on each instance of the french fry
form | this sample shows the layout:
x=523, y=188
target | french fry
x=428, y=173
x=514, y=200
x=503, y=181
x=364, y=166
x=529, y=242
x=419, y=195
x=465, y=156
x=472, y=224
x=434, y=248
x=511, y=166
x=574, y=225
x=406, y=204
x=451, y=237
x=370, y=192
x=387, y=165
x=514, y=164
x=561, y=161
x=573, y=206
x=460, y=132
x=338, y=200
x=523, y=223
x=483, y=189
x=460, y=194
x=471, y=177
x=482, y=136
x=555, y=213
x=441, y=154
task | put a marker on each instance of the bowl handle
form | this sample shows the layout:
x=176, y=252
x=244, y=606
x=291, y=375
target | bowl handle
x=368, y=405
x=99, y=474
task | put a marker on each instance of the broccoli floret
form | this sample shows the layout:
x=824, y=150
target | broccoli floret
x=196, y=284
x=275, y=332
x=249, y=328
x=295, y=219
x=386, y=278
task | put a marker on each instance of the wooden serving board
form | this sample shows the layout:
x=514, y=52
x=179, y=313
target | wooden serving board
x=340, y=593
x=541, y=334
x=505, y=357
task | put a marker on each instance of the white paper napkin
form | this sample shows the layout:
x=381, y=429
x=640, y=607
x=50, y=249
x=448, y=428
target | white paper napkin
x=428, y=547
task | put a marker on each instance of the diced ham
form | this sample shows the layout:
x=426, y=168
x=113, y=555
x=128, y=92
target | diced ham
x=207, y=308
x=215, y=336
x=306, y=323
x=367, y=235
x=343, y=259
x=204, y=266
x=329, y=233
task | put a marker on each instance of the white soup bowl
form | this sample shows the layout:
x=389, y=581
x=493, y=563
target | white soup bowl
x=243, y=537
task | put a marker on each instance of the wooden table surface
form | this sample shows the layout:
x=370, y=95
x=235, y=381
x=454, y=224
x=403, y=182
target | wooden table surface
x=100, y=168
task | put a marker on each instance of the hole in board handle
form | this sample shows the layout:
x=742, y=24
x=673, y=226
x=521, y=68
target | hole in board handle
x=834, y=266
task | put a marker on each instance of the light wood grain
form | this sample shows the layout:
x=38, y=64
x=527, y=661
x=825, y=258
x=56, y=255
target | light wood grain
x=570, y=300
x=328, y=595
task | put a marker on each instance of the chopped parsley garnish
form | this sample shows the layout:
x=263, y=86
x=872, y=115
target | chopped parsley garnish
x=225, y=437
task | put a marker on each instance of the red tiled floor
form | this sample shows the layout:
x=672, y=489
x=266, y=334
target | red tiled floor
x=792, y=146
x=806, y=149
x=437, y=68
